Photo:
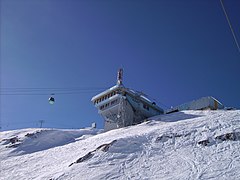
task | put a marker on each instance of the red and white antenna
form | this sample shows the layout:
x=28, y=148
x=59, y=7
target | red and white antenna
x=120, y=76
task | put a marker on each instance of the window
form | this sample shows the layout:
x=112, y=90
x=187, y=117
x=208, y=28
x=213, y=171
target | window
x=114, y=101
x=145, y=107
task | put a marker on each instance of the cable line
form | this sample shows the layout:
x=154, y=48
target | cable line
x=229, y=23
x=41, y=94
x=47, y=91
x=50, y=89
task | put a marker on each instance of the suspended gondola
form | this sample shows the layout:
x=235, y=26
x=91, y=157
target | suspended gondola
x=51, y=100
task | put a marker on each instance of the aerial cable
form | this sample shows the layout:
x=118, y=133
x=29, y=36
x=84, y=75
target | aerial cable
x=45, y=91
x=229, y=23
x=41, y=94
x=51, y=89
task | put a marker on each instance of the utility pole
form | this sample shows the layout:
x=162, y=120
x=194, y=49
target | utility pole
x=41, y=123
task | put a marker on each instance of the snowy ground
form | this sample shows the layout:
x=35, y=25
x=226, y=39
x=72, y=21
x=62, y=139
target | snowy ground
x=183, y=145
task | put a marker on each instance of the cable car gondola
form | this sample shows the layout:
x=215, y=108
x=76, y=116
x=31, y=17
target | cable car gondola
x=51, y=100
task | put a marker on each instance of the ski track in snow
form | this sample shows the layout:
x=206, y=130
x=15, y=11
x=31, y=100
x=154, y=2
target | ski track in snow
x=165, y=147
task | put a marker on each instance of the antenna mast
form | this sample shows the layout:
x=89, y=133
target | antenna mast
x=120, y=76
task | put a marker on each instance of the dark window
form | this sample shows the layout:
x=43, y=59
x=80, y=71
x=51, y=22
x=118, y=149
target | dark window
x=145, y=107
x=114, y=101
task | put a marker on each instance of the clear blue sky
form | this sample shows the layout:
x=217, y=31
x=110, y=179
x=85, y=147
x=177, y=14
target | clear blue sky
x=174, y=51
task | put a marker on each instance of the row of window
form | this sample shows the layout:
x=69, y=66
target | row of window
x=105, y=97
x=116, y=101
x=108, y=104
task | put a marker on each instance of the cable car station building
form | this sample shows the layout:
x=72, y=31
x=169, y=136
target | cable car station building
x=121, y=106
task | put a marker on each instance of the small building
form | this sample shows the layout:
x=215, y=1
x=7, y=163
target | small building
x=203, y=103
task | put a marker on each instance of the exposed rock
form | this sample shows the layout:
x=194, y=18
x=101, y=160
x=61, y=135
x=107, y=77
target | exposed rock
x=103, y=147
x=204, y=142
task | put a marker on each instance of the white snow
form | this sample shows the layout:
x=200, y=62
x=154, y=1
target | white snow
x=165, y=147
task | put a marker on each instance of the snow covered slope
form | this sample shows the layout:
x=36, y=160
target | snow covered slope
x=25, y=141
x=182, y=145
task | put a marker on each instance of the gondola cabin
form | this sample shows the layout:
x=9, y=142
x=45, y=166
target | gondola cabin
x=51, y=100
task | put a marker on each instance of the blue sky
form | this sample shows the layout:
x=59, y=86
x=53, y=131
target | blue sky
x=174, y=51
